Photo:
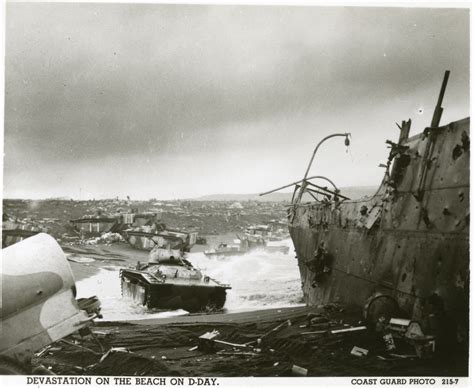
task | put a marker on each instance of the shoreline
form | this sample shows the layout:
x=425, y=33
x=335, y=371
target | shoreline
x=169, y=346
x=121, y=254
x=112, y=257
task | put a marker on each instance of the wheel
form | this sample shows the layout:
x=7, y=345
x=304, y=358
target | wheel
x=381, y=307
x=9, y=366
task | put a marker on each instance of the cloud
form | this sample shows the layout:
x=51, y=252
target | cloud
x=87, y=83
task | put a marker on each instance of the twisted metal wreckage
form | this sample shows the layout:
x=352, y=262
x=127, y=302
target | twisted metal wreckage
x=39, y=302
x=403, y=251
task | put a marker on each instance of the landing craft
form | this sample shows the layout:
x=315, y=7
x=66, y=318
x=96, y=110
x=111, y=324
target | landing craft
x=145, y=231
x=406, y=250
x=99, y=223
x=255, y=238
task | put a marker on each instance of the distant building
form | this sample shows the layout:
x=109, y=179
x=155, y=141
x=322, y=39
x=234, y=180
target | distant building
x=236, y=205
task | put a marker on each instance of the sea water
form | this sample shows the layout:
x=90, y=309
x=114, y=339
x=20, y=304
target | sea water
x=259, y=280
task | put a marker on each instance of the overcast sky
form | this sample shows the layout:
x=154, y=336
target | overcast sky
x=176, y=101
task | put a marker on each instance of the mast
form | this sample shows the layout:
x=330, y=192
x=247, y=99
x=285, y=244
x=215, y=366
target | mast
x=439, y=109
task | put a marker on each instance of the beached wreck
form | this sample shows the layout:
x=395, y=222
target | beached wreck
x=224, y=250
x=169, y=281
x=141, y=230
x=403, y=251
x=254, y=238
x=94, y=225
x=244, y=246
x=14, y=230
x=100, y=223
x=39, y=302
x=258, y=237
x=148, y=236
x=145, y=231
x=269, y=232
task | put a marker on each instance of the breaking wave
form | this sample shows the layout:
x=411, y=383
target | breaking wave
x=259, y=280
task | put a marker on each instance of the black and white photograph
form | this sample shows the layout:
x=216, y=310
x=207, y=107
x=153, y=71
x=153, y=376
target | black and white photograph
x=197, y=192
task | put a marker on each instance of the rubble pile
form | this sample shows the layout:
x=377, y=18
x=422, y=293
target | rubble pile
x=106, y=238
x=330, y=341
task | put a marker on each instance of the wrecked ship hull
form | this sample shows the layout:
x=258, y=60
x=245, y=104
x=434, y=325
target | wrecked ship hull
x=409, y=241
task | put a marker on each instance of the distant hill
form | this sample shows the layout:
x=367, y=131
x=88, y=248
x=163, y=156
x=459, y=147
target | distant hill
x=353, y=192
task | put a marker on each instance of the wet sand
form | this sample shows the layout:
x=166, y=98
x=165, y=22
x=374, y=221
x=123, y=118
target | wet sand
x=117, y=254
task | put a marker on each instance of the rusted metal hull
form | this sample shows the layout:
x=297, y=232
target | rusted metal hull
x=409, y=241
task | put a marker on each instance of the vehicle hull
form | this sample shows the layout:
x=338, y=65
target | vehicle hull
x=193, y=296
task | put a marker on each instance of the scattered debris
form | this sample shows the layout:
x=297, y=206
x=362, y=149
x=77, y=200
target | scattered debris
x=398, y=326
x=403, y=355
x=43, y=351
x=389, y=342
x=425, y=349
x=414, y=331
x=235, y=353
x=80, y=347
x=42, y=370
x=78, y=259
x=348, y=330
x=318, y=320
x=106, y=238
x=208, y=342
x=299, y=371
x=125, y=363
x=314, y=332
x=359, y=352
x=409, y=332
x=113, y=350
x=276, y=329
